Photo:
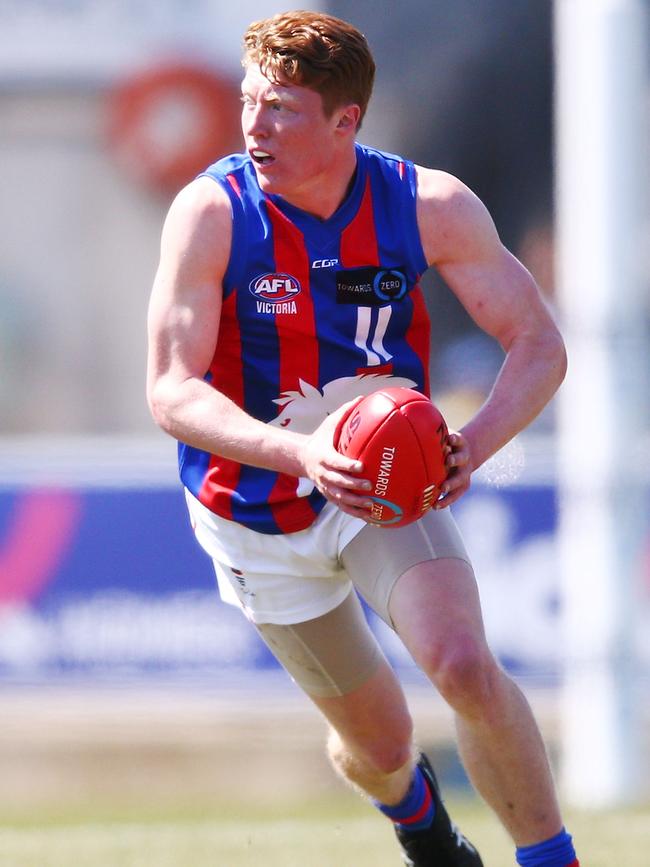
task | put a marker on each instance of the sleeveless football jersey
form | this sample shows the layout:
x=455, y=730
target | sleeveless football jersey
x=315, y=312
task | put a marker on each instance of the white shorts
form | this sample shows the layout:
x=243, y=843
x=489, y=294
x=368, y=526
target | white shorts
x=293, y=578
x=280, y=579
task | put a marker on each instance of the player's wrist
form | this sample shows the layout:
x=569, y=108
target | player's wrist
x=293, y=453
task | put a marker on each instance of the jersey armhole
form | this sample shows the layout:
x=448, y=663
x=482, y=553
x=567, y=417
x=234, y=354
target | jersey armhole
x=237, y=256
x=414, y=239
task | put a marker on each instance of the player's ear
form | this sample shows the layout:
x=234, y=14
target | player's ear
x=349, y=118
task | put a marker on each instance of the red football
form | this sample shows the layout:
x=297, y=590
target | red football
x=400, y=437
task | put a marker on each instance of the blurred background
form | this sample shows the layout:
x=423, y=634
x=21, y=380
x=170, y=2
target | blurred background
x=109, y=622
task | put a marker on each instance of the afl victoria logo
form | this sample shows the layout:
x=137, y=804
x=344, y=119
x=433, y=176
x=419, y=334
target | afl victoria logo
x=275, y=288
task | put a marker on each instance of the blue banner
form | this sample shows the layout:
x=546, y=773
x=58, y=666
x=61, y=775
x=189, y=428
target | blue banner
x=102, y=582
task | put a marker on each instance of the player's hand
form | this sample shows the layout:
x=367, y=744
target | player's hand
x=459, y=470
x=336, y=476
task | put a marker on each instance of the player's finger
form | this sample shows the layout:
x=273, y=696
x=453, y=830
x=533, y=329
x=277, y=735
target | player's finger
x=453, y=489
x=343, y=480
x=458, y=454
x=450, y=498
x=341, y=464
x=359, y=503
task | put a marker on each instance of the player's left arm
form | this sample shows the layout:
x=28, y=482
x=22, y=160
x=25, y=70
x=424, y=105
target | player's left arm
x=459, y=238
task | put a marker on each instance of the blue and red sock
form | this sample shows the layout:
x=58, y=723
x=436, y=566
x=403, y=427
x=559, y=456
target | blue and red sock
x=416, y=809
x=556, y=852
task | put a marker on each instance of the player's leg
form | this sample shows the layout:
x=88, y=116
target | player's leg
x=336, y=660
x=434, y=606
x=294, y=589
x=436, y=611
x=408, y=794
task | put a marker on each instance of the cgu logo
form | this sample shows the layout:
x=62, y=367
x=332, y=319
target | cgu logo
x=275, y=287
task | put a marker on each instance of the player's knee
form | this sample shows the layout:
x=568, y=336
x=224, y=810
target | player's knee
x=387, y=755
x=387, y=750
x=376, y=753
x=466, y=675
x=373, y=761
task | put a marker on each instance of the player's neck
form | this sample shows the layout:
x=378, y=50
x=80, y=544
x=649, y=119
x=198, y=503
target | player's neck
x=324, y=195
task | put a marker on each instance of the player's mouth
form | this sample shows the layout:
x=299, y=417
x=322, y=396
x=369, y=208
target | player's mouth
x=261, y=157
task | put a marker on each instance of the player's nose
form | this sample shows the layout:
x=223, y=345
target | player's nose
x=254, y=122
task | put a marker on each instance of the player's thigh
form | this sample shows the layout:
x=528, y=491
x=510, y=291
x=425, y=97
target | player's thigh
x=420, y=580
x=330, y=655
x=436, y=611
x=377, y=558
x=336, y=660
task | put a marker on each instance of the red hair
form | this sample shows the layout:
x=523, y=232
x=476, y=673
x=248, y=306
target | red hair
x=315, y=50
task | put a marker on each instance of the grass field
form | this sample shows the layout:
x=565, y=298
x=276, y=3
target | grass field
x=114, y=778
x=328, y=833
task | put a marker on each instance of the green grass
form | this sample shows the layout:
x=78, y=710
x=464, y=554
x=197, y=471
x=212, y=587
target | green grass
x=333, y=832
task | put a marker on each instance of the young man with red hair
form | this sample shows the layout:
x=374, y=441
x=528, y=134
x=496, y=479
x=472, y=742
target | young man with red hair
x=288, y=286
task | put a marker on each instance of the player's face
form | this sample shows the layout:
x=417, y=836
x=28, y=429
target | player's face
x=290, y=140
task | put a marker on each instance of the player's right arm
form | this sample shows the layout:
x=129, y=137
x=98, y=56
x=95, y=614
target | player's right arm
x=183, y=325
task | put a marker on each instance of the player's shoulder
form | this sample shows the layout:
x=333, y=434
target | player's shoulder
x=200, y=207
x=450, y=214
x=197, y=231
x=444, y=191
x=208, y=196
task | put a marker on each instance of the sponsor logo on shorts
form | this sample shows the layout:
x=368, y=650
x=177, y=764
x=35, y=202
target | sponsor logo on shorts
x=241, y=581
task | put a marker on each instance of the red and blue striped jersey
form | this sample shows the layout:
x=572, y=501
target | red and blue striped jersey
x=315, y=312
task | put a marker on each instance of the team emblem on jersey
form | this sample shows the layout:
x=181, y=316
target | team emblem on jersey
x=275, y=293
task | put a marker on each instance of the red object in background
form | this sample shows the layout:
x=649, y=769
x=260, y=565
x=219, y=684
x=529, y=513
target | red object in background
x=168, y=123
x=400, y=437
